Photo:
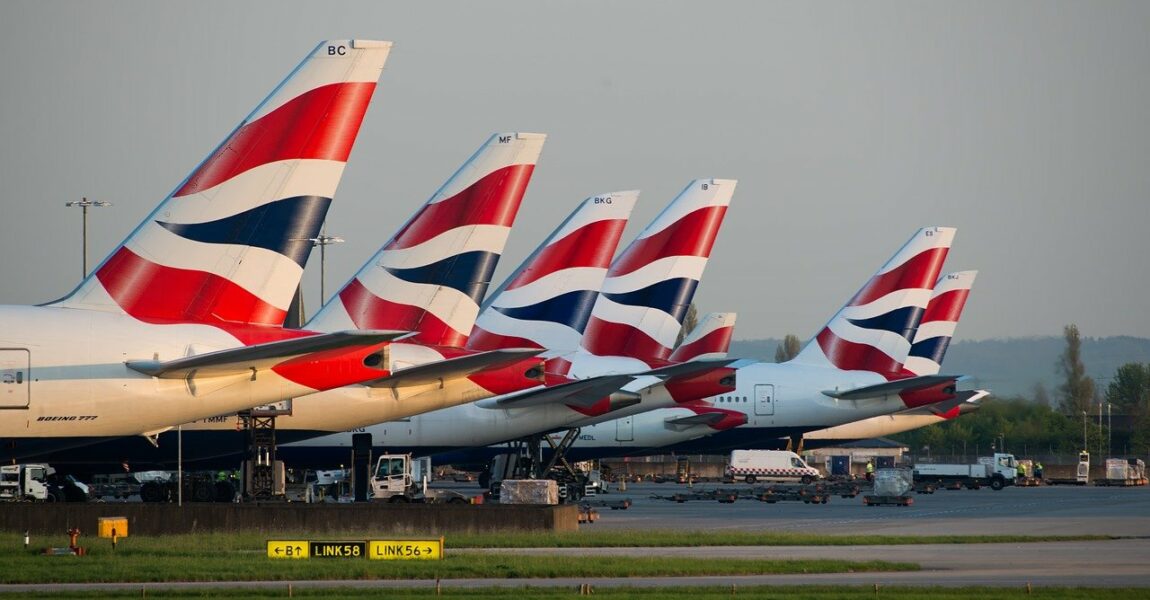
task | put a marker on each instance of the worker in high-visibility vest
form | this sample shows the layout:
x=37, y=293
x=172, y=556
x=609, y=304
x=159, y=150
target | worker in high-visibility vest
x=1038, y=470
x=1022, y=470
x=870, y=470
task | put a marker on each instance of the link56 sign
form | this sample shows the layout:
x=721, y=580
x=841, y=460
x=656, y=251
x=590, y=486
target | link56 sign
x=405, y=549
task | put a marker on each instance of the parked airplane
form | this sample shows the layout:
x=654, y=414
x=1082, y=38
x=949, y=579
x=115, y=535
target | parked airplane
x=428, y=279
x=182, y=321
x=647, y=288
x=930, y=343
x=792, y=398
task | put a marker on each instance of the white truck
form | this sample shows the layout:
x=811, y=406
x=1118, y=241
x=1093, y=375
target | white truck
x=399, y=478
x=39, y=483
x=770, y=465
x=997, y=471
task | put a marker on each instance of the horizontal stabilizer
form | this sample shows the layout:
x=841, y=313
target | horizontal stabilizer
x=246, y=359
x=579, y=392
x=891, y=387
x=689, y=369
x=459, y=366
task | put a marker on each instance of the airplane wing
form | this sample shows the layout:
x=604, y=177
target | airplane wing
x=459, y=366
x=582, y=392
x=689, y=369
x=891, y=387
x=246, y=359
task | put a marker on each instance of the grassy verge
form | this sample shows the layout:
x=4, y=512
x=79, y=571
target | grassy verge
x=655, y=539
x=695, y=593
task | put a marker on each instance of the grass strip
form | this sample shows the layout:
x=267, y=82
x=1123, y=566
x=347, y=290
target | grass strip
x=174, y=565
x=629, y=593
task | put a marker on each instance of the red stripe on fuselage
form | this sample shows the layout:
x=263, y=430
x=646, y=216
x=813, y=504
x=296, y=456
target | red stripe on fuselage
x=918, y=272
x=319, y=124
x=154, y=293
x=693, y=235
x=493, y=200
x=606, y=338
x=369, y=311
x=590, y=246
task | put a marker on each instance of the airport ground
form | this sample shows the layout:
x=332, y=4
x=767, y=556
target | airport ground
x=1122, y=562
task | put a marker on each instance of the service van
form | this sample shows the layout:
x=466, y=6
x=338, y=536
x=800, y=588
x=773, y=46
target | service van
x=769, y=465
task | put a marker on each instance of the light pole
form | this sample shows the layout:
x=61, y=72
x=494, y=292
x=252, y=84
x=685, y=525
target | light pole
x=1084, y=446
x=323, y=241
x=1109, y=428
x=84, y=203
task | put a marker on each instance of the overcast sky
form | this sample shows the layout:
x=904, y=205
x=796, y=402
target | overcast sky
x=848, y=125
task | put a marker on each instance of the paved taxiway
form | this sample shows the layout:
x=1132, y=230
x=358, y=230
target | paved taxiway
x=1121, y=512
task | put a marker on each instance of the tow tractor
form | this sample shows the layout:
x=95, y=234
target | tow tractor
x=401, y=479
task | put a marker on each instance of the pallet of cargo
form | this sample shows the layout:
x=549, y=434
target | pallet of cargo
x=871, y=500
x=1028, y=482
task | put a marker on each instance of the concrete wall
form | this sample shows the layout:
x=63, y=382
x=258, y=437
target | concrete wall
x=380, y=519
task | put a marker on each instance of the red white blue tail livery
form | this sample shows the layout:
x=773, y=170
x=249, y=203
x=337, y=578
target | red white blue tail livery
x=547, y=301
x=649, y=287
x=431, y=277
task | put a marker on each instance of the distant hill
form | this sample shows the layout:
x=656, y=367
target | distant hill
x=1010, y=367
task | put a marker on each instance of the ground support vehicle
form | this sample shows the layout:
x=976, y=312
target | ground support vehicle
x=892, y=487
x=872, y=500
x=198, y=486
x=843, y=488
x=400, y=479
x=924, y=487
x=39, y=483
x=1121, y=472
x=723, y=496
x=117, y=486
x=622, y=504
x=997, y=471
x=1081, y=474
x=807, y=494
x=769, y=465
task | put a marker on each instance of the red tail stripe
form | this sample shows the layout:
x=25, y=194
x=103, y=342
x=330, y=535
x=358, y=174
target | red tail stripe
x=693, y=235
x=606, y=338
x=319, y=124
x=718, y=340
x=702, y=385
x=920, y=271
x=946, y=306
x=330, y=369
x=155, y=293
x=481, y=339
x=493, y=200
x=850, y=356
x=368, y=311
x=590, y=246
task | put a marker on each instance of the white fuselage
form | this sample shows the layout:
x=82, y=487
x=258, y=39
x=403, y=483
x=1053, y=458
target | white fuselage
x=774, y=397
x=64, y=375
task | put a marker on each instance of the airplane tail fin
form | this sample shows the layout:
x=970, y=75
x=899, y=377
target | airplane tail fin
x=431, y=277
x=710, y=339
x=939, y=322
x=873, y=332
x=546, y=302
x=650, y=286
x=229, y=244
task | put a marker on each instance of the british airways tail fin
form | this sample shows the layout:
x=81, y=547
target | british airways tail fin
x=710, y=339
x=650, y=286
x=873, y=332
x=546, y=302
x=229, y=244
x=431, y=277
x=939, y=322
